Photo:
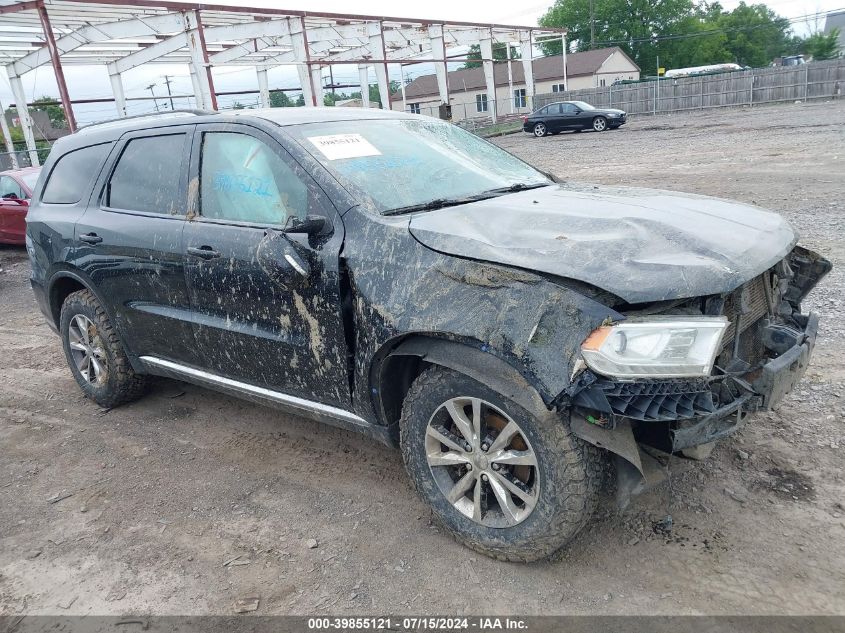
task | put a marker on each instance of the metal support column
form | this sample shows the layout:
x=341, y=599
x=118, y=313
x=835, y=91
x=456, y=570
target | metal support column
x=198, y=96
x=199, y=59
x=263, y=87
x=527, y=50
x=7, y=138
x=23, y=115
x=438, y=46
x=489, y=73
x=57, y=67
x=299, y=42
x=364, y=80
x=377, y=49
x=117, y=90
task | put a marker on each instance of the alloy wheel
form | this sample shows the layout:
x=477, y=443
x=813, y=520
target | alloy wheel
x=87, y=351
x=599, y=124
x=482, y=462
x=539, y=130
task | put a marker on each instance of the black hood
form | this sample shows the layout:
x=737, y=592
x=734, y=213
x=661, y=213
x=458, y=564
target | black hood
x=640, y=244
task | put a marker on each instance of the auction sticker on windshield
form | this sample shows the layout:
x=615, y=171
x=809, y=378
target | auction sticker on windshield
x=337, y=146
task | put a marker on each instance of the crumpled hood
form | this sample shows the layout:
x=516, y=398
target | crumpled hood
x=640, y=244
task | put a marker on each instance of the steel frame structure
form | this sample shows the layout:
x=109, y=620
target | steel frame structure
x=124, y=34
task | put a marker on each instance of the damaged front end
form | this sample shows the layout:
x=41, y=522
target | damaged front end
x=763, y=352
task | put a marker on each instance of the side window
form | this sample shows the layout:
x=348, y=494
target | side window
x=243, y=180
x=72, y=173
x=147, y=176
x=10, y=189
x=567, y=108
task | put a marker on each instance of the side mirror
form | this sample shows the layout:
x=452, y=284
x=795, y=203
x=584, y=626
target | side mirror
x=310, y=225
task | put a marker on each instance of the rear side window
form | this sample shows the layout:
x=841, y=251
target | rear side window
x=9, y=189
x=72, y=173
x=148, y=176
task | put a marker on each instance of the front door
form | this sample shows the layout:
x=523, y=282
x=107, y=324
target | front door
x=13, y=208
x=129, y=241
x=267, y=308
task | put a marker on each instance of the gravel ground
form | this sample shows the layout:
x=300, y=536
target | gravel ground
x=187, y=500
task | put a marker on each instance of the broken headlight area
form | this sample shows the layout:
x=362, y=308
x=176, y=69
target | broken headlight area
x=701, y=365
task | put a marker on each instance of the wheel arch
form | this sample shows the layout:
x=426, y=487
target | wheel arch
x=405, y=358
x=66, y=281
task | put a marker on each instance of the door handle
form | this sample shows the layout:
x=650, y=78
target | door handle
x=203, y=252
x=90, y=238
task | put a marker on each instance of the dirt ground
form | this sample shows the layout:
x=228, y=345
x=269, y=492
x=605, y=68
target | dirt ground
x=187, y=500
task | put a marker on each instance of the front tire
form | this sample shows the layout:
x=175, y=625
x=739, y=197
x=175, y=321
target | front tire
x=540, y=130
x=95, y=354
x=502, y=481
x=599, y=124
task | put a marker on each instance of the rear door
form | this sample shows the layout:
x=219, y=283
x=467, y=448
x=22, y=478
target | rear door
x=129, y=241
x=13, y=208
x=257, y=319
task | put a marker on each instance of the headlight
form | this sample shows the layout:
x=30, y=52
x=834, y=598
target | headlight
x=670, y=347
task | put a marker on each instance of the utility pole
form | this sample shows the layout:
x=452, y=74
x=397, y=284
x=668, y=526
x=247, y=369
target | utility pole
x=592, y=26
x=152, y=92
x=167, y=83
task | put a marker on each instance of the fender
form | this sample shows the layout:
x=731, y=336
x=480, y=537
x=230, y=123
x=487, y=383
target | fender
x=478, y=365
x=76, y=275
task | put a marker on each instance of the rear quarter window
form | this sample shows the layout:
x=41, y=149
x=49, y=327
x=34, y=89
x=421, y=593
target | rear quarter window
x=72, y=174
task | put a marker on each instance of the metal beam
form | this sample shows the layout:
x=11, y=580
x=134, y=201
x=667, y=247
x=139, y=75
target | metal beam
x=57, y=67
x=435, y=34
x=151, y=53
x=364, y=78
x=148, y=25
x=7, y=138
x=199, y=61
x=489, y=76
x=23, y=116
x=263, y=87
x=117, y=90
x=526, y=49
x=377, y=46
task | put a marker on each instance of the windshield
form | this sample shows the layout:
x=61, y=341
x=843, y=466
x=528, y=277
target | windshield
x=583, y=105
x=404, y=163
x=30, y=178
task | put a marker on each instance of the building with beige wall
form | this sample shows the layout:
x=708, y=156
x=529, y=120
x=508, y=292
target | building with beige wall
x=470, y=98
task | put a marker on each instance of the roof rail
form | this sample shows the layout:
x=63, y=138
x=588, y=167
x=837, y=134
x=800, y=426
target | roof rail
x=148, y=115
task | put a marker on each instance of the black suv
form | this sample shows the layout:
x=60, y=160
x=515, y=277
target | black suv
x=396, y=275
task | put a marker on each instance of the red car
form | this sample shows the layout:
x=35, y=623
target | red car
x=16, y=187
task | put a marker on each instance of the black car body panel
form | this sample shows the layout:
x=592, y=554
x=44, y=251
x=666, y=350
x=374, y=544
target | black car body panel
x=337, y=323
x=639, y=244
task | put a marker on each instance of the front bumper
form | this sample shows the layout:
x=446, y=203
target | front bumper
x=696, y=411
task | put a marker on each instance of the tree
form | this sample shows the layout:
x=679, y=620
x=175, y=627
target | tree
x=680, y=33
x=375, y=97
x=280, y=99
x=53, y=109
x=635, y=25
x=330, y=98
x=500, y=53
x=755, y=34
x=822, y=46
x=300, y=100
x=238, y=106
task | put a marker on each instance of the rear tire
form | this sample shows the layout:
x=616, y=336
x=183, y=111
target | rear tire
x=95, y=354
x=540, y=130
x=549, y=501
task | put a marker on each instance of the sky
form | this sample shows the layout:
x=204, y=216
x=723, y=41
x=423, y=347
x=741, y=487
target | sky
x=88, y=82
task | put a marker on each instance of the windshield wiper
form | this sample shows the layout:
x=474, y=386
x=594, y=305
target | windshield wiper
x=519, y=186
x=440, y=203
x=431, y=205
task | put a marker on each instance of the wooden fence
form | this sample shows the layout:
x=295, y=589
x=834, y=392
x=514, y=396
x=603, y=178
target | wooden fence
x=816, y=80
